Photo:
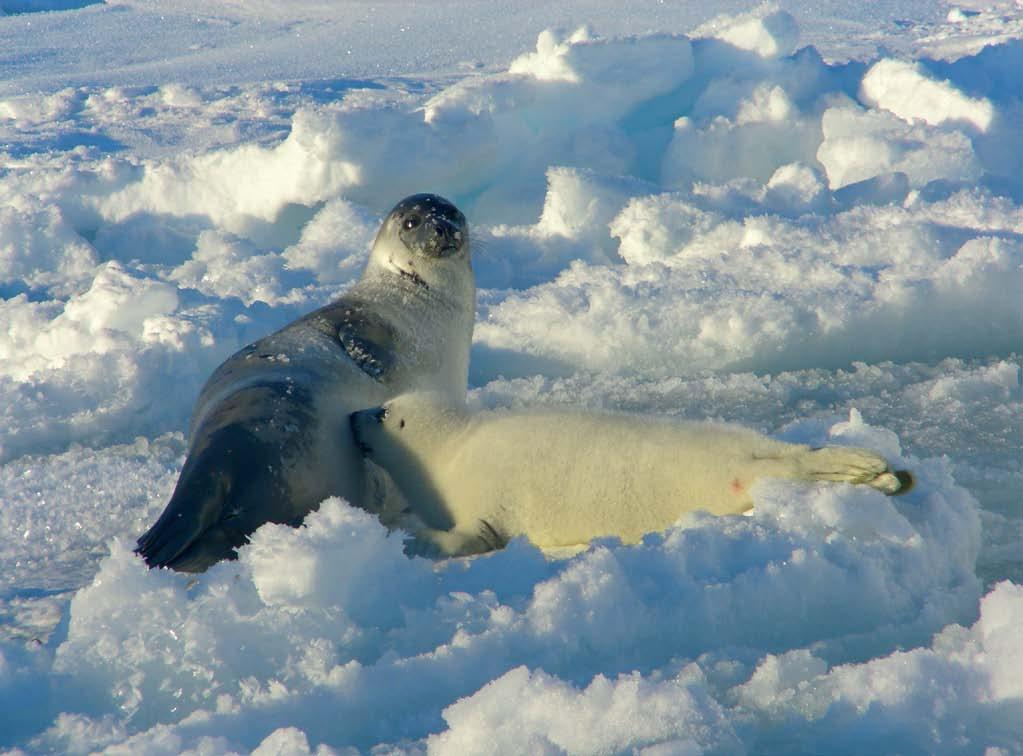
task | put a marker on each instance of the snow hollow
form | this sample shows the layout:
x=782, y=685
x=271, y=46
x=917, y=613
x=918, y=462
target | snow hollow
x=808, y=224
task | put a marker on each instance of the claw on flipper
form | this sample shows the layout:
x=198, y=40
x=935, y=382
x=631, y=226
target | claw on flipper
x=906, y=482
x=893, y=482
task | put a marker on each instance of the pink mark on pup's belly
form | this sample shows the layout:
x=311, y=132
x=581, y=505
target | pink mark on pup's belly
x=737, y=486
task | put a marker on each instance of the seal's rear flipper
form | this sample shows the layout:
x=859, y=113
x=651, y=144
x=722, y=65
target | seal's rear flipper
x=188, y=535
x=906, y=482
x=843, y=464
x=227, y=488
x=215, y=545
x=893, y=482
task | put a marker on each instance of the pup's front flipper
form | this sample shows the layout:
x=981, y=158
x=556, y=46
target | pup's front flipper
x=434, y=543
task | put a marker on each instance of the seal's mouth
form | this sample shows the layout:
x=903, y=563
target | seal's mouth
x=443, y=245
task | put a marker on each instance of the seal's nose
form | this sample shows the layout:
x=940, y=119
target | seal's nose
x=442, y=237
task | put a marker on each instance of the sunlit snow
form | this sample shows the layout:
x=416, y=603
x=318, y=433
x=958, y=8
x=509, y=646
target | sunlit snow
x=809, y=222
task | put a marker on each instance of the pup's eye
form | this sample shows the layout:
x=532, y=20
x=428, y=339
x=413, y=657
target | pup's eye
x=402, y=423
x=412, y=221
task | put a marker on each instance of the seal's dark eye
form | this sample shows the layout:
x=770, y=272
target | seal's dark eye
x=411, y=222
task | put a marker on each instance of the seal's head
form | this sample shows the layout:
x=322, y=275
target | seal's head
x=419, y=280
x=429, y=225
x=425, y=239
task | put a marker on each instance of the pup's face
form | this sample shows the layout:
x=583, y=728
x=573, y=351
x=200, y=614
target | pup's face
x=418, y=423
x=378, y=430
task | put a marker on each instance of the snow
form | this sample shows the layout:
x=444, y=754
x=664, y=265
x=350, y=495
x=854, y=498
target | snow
x=768, y=32
x=804, y=220
x=905, y=90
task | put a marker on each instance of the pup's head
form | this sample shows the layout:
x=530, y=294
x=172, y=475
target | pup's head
x=417, y=423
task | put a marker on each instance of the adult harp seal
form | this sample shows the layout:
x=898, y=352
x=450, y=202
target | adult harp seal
x=270, y=435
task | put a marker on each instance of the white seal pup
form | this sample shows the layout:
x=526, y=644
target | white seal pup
x=270, y=436
x=562, y=478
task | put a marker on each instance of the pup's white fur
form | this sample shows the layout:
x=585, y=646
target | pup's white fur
x=562, y=478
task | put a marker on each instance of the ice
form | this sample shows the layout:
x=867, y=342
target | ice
x=280, y=630
x=552, y=716
x=237, y=188
x=38, y=248
x=673, y=210
x=900, y=687
x=334, y=244
x=859, y=145
x=905, y=90
x=766, y=31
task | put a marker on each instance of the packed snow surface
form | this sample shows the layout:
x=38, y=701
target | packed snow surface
x=807, y=222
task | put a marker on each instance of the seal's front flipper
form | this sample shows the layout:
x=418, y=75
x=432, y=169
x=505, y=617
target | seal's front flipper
x=368, y=339
x=434, y=543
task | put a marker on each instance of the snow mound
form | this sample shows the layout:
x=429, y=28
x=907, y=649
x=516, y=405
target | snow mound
x=766, y=31
x=277, y=638
x=719, y=225
x=606, y=716
x=904, y=89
